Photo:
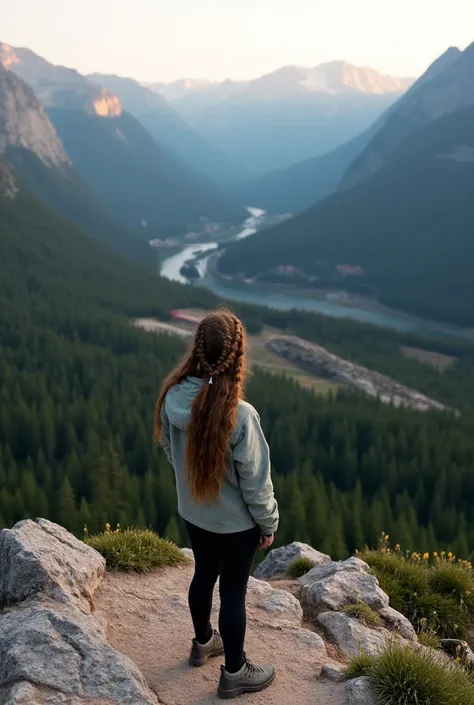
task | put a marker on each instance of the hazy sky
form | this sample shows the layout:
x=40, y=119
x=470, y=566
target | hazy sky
x=169, y=39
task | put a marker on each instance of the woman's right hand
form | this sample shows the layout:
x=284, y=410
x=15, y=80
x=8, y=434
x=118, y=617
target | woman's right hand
x=266, y=542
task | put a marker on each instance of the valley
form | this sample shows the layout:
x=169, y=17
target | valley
x=94, y=168
x=337, y=304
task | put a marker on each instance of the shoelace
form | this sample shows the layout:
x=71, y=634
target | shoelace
x=252, y=668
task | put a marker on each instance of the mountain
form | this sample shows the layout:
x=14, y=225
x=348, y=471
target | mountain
x=301, y=185
x=32, y=147
x=169, y=129
x=134, y=178
x=407, y=232
x=446, y=87
x=286, y=116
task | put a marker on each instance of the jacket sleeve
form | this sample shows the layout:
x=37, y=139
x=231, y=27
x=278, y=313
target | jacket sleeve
x=251, y=456
x=165, y=434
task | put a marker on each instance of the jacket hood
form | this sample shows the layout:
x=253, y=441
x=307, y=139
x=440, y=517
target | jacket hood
x=179, y=401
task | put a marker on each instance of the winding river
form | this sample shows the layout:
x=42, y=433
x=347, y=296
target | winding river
x=248, y=293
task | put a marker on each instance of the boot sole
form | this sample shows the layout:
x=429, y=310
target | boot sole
x=236, y=692
x=198, y=662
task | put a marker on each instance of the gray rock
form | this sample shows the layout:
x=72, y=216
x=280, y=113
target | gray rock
x=56, y=646
x=26, y=694
x=331, y=672
x=398, y=623
x=278, y=560
x=320, y=572
x=41, y=557
x=359, y=692
x=311, y=640
x=284, y=608
x=342, y=588
x=351, y=636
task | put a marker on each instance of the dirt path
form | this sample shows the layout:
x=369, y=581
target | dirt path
x=148, y=620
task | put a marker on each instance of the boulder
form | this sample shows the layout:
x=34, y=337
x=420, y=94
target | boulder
x=359, y=692
x=398, y=623
x=324, y=570
x=311, y=640
x=42, y=557
x=284, y=608
x=331, y=672
x=278, y=560
x=57, y=646
x=351, y=636
x=342, y=588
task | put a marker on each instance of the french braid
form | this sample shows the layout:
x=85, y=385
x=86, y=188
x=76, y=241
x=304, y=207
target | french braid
x=218, y=356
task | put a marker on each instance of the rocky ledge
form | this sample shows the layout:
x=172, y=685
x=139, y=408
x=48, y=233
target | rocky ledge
x=56, y=603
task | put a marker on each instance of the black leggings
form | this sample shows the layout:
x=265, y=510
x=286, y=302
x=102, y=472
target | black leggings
x=230, y=557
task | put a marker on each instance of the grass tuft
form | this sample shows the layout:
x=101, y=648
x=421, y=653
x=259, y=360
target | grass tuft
x=453, y=581
x=299, y=567
x=403, y=676
x=358, y=666
x=364, y=613
x=135, y=550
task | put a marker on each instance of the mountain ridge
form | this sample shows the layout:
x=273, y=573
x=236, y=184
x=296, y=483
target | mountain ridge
x=445, y=88
x=286, y=116
x=136, y=180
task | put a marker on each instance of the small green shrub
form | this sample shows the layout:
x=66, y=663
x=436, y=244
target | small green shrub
x=364, y=613
x=135, y=550
x=299, y=567
x=402, y=676
x=427, y=636
x=442, y=613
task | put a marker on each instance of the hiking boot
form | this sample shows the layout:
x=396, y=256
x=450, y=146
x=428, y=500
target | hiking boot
x=201, y=653
x=250, y=679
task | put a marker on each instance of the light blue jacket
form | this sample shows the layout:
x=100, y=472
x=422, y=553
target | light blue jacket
x=247, y=498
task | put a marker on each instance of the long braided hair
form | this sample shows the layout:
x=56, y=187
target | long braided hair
x=217, y=356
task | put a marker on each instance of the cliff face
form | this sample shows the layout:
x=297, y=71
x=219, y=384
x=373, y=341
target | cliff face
x=58, y=86
x=23, y=123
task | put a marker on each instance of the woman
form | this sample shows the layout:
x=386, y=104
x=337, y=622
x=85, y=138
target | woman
x=216, y=446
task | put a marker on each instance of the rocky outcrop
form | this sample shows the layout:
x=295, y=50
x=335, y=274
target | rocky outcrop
x=279, y=560
x=341, y=589
x=23, y=123
x=52, y=649
x=329, y=588
x=322, y=363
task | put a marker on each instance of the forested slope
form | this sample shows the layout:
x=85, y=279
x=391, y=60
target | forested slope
x=77, y=391
x=410, y=228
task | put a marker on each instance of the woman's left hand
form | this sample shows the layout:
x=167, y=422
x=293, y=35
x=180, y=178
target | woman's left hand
x=266, y=542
